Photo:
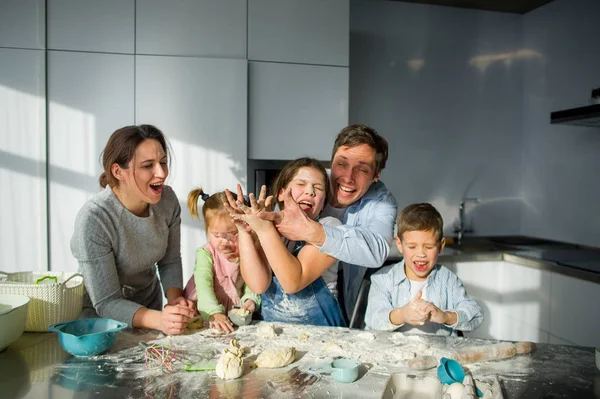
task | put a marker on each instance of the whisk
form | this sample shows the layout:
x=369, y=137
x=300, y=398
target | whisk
x=158, y=356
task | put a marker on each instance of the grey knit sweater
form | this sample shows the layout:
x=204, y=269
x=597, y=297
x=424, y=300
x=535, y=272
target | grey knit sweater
x=118, y=254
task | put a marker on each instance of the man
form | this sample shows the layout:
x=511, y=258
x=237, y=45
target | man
x=360, y=200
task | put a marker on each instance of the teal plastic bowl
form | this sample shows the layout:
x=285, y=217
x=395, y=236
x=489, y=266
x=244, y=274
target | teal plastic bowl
x=87, y=337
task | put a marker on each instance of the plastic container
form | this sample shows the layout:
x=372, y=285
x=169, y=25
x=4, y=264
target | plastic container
x=238, y=318
x=13, y=315
x=87, y=337
x=341, y=370
x=55, y=297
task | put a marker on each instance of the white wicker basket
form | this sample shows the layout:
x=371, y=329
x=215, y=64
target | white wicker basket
x=51, y=302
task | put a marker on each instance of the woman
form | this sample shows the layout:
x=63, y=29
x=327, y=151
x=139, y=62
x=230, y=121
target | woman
x=130, y=229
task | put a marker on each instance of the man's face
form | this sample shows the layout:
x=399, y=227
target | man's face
x=352, y=172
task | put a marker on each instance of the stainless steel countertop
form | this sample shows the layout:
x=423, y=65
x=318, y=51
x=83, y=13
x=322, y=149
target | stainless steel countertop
x=36, y=367
x=567, y=259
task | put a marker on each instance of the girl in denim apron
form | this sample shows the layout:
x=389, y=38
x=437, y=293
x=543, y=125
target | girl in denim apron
x=288, y=274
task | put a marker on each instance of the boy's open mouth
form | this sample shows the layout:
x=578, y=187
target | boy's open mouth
x=420, y=265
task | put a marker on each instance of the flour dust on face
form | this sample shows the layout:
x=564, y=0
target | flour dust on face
x=308, y=190
x=222, y=234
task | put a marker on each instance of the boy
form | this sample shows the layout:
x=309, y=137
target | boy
x=417, y=295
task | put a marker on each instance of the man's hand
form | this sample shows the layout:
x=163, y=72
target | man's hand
x=293, y=224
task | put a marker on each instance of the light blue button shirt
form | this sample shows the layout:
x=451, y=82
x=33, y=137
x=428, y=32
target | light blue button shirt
x=390, y=289
x=364, y=239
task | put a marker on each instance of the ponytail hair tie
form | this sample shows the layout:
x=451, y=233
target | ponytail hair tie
x=204, y=196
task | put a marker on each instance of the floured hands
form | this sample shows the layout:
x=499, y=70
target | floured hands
x=248, y=218
x=432, y=313
x=220, y=322
x=249, y=305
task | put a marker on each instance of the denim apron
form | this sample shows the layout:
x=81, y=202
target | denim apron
x=313, y=305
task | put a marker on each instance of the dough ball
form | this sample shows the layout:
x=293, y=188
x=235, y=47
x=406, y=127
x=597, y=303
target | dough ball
x=229, y=366
x=266, y=330
x=455, y=391
x=276, y=357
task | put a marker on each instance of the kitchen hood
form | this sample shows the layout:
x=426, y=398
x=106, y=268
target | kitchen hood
x=582, y=116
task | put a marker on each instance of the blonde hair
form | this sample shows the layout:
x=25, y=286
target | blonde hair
x=212, y=204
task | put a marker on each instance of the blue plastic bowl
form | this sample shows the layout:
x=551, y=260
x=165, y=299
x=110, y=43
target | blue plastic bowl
x=87, y=337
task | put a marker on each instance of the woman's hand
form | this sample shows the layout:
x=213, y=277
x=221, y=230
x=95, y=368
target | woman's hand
x=182, y=301
x=243, y=215
x=249, y=305
x=220, y=322
x=175, y=318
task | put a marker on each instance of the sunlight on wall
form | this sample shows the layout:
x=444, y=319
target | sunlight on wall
x=74, y=170
x=23, y=113
x=483, y=62
x=22, y=177
x=194, y=166
x=72, y=146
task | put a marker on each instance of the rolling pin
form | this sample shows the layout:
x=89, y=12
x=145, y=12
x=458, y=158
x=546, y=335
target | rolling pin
x=475, y=354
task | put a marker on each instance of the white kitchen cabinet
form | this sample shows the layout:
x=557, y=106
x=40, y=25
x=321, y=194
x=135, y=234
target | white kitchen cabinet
x=295, y=110
x=90, y=96
x=201, y=106
x=23, y=24
x=299, y=31
x=23, y=212
x=90, y=25
x=515, y=299
x=575, y=314
x=205, y=28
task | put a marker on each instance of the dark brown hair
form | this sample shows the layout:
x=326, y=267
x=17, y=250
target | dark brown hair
x=420, y=217
x=289, y=171
x=212, y=204
x=121, y=146
x=355, y=135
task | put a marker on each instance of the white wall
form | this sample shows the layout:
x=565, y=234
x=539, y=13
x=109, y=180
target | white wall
x=23, y=228
x=443, y=85
x=560, y=176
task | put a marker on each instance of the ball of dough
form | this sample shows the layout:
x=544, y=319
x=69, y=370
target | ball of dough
x=229, y=366
x=455, y=390
x=266, y=331
x=276, y=357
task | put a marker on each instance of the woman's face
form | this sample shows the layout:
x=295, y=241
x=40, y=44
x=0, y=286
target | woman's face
x=146, y=173
x=308, y=190
x=223, y=235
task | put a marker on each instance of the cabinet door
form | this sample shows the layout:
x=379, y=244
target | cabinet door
x=206, y=28
x=200, y=104
x=295, y=110
x=514, y=298
x=480, y=280
x=575, y=314
x=526, y=296
x=90, y=25
x=299, y=31
x=23, y=160
x=90, y=96
x=23, y=24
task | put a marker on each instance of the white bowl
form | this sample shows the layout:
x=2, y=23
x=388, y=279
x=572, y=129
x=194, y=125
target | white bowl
x=13, y=316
